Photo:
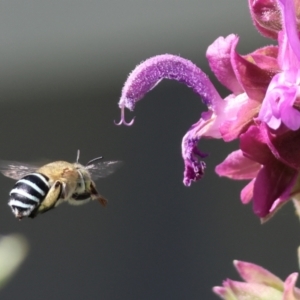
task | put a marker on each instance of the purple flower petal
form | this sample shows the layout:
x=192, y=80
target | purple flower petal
x=274, y=181
x=247, y=192
x=218, y=55
x=231, y=129
x=252, y=78
x=254, y=146
x=237, y=166
x=265, y=58
x=285, y=146
x=278, y=104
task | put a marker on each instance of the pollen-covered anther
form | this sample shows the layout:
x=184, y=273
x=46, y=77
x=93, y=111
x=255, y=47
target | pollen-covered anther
x=122, y=120
x=193, y=172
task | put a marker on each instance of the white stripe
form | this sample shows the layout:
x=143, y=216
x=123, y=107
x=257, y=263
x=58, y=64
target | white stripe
x=22, y=192
x=33, y=185
x=19, y=204
x=41, y=177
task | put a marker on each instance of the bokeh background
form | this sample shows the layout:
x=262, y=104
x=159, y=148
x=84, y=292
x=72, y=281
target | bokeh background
x=62, y=67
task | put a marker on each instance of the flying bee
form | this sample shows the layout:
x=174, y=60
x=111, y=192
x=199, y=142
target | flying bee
x=40, y=189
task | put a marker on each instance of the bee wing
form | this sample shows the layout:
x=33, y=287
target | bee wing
x=16, y=170
x=103, y=168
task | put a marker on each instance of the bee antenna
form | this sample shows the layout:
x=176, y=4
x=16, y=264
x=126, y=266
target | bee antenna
x=78, y=154
x=94, y=159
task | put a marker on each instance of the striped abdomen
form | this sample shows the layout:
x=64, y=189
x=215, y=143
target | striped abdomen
x=28, y=193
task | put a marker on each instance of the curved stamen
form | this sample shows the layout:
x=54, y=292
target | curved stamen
x=167, y=66
x=123, y=121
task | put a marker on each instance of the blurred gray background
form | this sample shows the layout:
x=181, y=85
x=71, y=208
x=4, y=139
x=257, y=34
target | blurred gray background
x=62, y=67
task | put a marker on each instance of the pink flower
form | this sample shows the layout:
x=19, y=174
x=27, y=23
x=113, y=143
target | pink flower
x=262, y=109
x=279, y=103
x=247, y=77
x=270, y=156
x=266, y=160
x=260, y=284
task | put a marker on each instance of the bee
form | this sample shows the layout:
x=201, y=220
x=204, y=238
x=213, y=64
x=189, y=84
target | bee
x=40, y=189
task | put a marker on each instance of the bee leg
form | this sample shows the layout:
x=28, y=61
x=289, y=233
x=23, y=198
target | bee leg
x=49, y=202
x=79, y=199
x=96, y=196
x=82, y=196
